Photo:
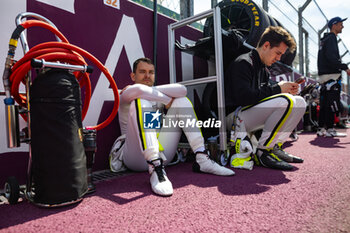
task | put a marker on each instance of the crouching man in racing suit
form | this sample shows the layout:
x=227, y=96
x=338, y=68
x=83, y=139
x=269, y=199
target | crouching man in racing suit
x=273, y=108
x=143, y=148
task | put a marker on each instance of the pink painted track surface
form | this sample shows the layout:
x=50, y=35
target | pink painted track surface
x=315, y=197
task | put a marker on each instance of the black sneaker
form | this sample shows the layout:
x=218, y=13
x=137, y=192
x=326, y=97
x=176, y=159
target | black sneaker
x=285, y=156
x=268, y=159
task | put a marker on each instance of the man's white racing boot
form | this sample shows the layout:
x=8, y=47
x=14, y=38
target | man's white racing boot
x=204, y=164
x=160, y=183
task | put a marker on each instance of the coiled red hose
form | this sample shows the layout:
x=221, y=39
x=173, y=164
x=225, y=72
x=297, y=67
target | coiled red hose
x=64, y=53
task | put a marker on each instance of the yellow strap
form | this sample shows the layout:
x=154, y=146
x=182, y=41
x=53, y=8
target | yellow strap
x=256, y=160
x=13, y=42
x=275, y=156
x=238, y=145
x=239, y=161
x=140, y=119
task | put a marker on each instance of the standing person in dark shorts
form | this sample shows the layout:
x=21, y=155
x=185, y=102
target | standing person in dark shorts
x=329, y=70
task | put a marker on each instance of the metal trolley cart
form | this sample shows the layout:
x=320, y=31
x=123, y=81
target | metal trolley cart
x=60, y=66
x=221, y=157
x=230, y=30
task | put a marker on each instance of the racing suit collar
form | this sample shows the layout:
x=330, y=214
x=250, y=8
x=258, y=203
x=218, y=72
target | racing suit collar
x=256, y=59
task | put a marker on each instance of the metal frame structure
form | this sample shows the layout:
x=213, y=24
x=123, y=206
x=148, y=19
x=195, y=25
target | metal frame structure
x=301, y=38
x=305, y=36
x=218, y=78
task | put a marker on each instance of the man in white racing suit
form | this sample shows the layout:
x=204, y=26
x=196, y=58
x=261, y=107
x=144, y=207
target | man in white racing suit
x=151, y=148
x=274, y=108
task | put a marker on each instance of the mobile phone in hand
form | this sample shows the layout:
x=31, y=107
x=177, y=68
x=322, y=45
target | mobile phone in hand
x=300, y=80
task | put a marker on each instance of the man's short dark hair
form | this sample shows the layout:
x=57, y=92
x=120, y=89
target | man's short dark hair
x=275, y=35
x=142, y=59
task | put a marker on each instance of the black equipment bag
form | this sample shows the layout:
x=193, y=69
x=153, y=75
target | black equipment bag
x=58, y=157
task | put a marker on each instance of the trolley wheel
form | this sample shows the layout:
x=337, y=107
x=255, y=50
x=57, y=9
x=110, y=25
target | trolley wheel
x=222, y=158
x=12, y=190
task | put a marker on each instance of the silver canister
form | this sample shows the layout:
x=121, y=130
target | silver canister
x=12, y=126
